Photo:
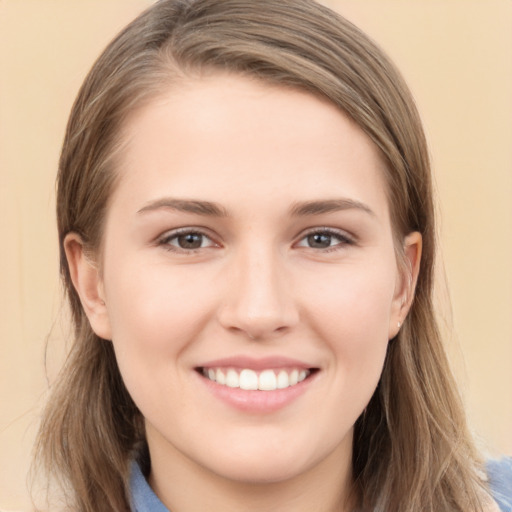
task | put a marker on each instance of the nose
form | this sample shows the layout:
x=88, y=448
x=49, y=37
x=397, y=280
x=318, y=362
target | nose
x=259, y=302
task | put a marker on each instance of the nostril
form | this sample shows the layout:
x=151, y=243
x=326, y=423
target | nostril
x=258, y=303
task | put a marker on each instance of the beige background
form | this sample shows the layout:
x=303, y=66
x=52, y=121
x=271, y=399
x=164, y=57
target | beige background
x=457, y=57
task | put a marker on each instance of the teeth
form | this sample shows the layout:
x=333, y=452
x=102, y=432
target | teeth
x=283, y=381
x=220, y=377
x=267, y=380
x=232, y=379
x=248, y=379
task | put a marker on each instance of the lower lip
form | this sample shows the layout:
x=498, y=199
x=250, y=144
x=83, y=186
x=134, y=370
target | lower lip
x=258, y=402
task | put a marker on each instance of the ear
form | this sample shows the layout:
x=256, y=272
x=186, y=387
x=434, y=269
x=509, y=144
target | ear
x=88, y=283
x=406, y=282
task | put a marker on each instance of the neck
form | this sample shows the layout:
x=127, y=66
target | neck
x=184, y=486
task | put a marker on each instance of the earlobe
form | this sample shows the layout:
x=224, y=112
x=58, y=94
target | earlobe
x=88, y=283
x=406, y=283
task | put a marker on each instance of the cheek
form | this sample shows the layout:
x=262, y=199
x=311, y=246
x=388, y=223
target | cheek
x=352, y=303
x=155, y=316
x=144, y=295
x=155, y=313
x=350, y=310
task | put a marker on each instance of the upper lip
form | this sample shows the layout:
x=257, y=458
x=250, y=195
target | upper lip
x=257, y=364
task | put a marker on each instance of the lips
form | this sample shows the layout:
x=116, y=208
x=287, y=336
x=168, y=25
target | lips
x=257, y=385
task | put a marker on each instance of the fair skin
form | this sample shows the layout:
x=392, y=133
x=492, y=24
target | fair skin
x=283, y=268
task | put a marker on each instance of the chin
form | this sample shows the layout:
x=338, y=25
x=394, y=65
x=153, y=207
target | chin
x=261, y=472
x=264, y=463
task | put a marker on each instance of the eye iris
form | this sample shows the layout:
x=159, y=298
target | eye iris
x=190, y=241
x=319, y=240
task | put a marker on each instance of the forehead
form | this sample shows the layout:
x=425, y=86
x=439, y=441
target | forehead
x=222, y=134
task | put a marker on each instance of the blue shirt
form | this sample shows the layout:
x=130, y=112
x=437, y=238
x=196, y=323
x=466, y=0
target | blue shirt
x=143, y=497
x=500, y=482
x=499, y=471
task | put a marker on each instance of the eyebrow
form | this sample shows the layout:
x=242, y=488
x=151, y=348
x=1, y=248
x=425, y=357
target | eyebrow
x=210, y=209
x=328, y=206
x=197, y=207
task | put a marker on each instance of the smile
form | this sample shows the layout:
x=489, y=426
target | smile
x=247, y=379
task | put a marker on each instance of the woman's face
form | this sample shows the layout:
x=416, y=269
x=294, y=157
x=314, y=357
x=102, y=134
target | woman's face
x=248, y=244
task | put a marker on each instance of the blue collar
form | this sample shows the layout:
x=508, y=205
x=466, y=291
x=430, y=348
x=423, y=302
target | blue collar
x=143, y=497
x=500, y=482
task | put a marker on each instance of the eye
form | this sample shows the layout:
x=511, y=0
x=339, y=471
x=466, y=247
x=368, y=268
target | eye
x=325, y=238
x=186, y=240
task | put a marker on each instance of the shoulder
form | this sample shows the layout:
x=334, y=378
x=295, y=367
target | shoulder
x=499, y=473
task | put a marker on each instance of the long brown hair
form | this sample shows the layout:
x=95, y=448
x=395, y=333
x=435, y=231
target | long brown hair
x=412, y=449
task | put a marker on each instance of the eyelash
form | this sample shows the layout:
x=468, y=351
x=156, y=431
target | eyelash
x=342, y=237
x=174, y=235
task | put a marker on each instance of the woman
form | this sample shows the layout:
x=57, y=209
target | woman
x=247, y=243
